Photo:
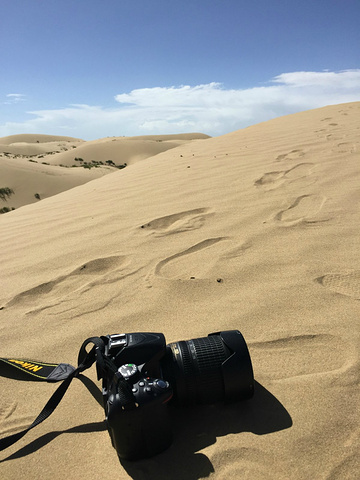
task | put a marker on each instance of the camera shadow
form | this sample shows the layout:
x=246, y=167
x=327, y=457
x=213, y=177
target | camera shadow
x=195, y=428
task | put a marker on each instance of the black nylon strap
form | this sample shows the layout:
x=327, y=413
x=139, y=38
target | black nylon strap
x=88, y=358
x=85, y=361
x=49, y=372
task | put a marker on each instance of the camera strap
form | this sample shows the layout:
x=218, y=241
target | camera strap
x=53, y=373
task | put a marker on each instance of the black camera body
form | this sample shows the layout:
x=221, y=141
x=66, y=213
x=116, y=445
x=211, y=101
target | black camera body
x=135, y=403
x=141, y=375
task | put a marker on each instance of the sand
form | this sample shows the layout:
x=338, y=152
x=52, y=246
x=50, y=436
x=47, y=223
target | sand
x=273, y=211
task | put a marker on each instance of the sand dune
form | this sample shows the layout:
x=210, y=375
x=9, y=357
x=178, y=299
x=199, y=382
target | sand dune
x=257, y=230
x=122, y=150
x=32, y=144
x=27, y=161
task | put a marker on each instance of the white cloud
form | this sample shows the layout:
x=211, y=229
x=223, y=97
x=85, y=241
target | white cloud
x=183, y=96
x=14, y=98
x=208, y=108
x=346, y=79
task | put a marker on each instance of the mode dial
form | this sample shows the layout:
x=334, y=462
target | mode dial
x=128, y=370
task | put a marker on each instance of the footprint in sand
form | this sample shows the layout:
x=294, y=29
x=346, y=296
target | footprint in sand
x=346, y=284
x=346, y=147
x=80, y=279
x=177, y=222
x=303, y=210
x=192, y=263
x=272, y=180
x=294, y=154
x=299, y=355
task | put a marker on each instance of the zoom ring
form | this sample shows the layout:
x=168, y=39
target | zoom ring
x=202, y=359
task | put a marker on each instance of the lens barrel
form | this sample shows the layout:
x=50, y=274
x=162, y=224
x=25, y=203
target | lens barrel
x=209, y=369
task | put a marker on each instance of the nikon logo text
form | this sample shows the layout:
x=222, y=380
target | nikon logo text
x=28, y=366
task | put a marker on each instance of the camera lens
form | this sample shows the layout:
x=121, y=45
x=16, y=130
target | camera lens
x=209, y=369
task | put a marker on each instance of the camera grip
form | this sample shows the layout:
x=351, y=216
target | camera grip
x=141, y=429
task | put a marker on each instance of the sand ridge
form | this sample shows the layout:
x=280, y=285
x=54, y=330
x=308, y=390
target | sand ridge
x=256, y=230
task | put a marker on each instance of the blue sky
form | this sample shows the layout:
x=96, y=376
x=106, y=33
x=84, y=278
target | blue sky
x=96, y=68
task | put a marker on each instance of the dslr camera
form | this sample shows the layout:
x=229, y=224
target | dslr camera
x=141, y=375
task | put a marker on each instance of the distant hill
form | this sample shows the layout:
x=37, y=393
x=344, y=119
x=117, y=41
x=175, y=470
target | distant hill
x=38, y=166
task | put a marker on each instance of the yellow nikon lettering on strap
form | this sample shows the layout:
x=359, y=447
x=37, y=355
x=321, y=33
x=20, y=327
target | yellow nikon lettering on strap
x=27, y=366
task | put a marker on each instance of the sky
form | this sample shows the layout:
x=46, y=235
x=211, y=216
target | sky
x=96, y=68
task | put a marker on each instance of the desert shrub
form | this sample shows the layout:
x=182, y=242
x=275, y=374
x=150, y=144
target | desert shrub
x=113, y=164
x=78, y=159
x=6, y=209
x=37, y=195
x=6, y=193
